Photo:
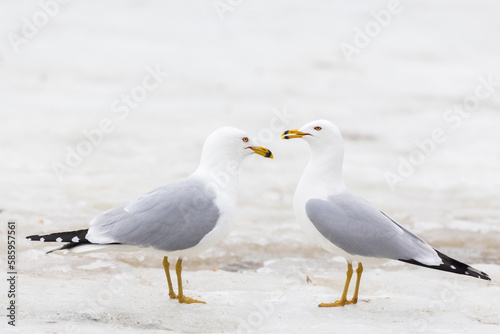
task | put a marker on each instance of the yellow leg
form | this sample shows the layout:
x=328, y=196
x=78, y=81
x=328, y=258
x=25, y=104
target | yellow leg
x=359, y=271
x=343, y=299
x=182, y=298
x=166, y=266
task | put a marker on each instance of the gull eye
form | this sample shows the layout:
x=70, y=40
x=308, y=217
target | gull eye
x=245, y=139
x=318, y=128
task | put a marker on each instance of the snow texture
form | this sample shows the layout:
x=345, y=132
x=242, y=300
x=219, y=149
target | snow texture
x=420, y=101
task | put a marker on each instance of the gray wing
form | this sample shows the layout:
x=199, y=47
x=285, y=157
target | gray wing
x=359, y=228
x=170, y=218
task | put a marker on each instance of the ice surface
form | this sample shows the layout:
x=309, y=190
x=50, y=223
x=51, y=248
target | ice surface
x=266, y=58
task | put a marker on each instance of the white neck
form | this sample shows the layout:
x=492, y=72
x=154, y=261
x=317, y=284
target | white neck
x=220, y=172
x=323, y=175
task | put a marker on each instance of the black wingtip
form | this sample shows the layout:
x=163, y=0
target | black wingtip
x=78, y=236
x=453, y=266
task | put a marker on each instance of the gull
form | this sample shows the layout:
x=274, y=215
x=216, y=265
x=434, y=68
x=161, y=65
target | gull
x=180, y=219
x=346, y=224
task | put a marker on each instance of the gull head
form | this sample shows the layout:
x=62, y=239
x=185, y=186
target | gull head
x=232, y=144
x=319, y=134
x=323, y=174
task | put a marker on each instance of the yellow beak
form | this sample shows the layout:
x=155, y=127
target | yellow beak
x=262, y=151
x=289, y=134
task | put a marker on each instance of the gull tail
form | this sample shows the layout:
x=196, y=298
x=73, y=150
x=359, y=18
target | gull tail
x=75, y=238
x=453, y=266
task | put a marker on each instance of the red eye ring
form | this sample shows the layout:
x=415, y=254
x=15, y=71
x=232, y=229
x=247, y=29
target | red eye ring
x=318, y=128
x=245, y=139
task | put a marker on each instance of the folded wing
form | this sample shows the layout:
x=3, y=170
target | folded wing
x=359, y=228
x=174, y=217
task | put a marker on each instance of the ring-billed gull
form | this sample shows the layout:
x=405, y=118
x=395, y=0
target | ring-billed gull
x=346, y=224
x=180, y=219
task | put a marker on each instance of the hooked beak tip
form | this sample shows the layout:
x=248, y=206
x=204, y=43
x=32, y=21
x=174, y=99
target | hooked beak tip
x=289, y=134
x=265, y=152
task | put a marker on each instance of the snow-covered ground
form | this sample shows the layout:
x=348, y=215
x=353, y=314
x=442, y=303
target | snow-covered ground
x=147, y=81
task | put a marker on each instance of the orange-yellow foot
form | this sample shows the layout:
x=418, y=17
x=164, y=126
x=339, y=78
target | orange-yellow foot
x=341, y=302
x=187, y=300
x=338, y=303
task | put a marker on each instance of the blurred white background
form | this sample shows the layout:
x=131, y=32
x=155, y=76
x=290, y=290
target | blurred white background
x=264, y=66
